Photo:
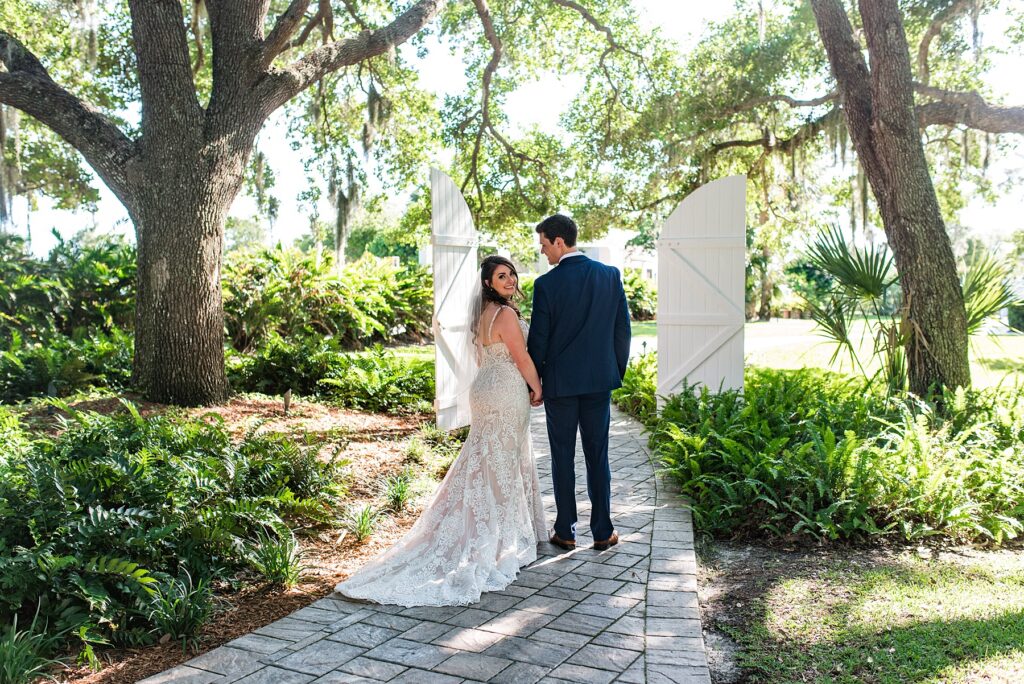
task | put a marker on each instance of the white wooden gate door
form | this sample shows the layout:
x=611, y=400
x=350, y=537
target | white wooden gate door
x=700, y=289
x=454, y=242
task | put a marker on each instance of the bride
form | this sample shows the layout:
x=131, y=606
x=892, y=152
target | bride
x=486, y=518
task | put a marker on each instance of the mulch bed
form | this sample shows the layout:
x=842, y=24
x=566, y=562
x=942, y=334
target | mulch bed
x=373, y=444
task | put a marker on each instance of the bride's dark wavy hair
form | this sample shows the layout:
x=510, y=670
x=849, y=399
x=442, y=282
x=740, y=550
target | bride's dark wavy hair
x=488, y=293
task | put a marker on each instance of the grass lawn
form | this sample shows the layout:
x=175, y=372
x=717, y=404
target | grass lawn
x=850, y=615
x=420, y=352
x=795, y=344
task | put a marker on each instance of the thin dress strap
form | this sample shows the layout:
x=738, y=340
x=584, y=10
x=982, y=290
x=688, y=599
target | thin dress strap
x=490, y=328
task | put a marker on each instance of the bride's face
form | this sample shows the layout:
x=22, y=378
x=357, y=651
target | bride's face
x=504, y=281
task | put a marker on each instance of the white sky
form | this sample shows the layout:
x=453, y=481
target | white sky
x=680, y=21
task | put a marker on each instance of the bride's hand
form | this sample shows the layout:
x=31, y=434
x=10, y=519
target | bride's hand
x=536, y=397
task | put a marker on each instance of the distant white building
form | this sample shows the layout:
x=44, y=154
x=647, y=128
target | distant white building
x=613, y=250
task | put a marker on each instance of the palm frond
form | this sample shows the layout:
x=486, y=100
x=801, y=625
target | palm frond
x=833, y=321
x=986, y=287
x=864, y=274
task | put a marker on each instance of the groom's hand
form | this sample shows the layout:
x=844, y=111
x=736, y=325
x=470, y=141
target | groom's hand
x=536, y=399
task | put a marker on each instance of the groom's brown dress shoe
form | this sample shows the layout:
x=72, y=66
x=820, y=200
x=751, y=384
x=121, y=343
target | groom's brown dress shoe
x=568, y=545
x=607, y=543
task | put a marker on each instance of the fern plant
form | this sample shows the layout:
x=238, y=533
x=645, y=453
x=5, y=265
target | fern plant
x=813, y=453
x=636, y=396
x=95, y=520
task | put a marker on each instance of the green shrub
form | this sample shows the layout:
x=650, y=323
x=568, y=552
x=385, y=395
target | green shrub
x=95, y=521
x=97, y=273
x=809, y=283
x=65, y=322
x=373, y=380
x=637, y=394
x=378, y=380
x=279, y=365
x=28, y=292
x=297, y=295
x=641, y=294
x=382, y=238
x=814, y=453
x=83, y=287
x=960, y=475
x=62, y=365
x=526, y=282
x=13, y=440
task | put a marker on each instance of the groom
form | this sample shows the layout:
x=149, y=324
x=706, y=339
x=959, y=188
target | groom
x=579, y=342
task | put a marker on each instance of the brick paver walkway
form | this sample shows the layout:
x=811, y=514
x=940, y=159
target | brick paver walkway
x=628, y=614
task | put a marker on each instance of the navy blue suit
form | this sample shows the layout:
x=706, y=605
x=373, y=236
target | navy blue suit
x=579, y=342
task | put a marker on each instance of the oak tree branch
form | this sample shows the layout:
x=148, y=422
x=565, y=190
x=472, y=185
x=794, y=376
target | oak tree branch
x=27, y=86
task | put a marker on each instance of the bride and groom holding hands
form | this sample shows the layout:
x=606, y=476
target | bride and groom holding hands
x=487, y=517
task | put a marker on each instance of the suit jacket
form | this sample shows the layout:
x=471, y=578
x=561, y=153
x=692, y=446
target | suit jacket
x=579, y=332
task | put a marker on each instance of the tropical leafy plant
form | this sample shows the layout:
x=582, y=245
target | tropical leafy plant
x=862, y=281
x=62, y=320
x=379, y=380
x=297, y=295
x=862, y=278
x=814, y=453
x=373, y=380
x=96, y=521
x=641, y=294
x=986, y=287
x=61, y=365
x=85, y=285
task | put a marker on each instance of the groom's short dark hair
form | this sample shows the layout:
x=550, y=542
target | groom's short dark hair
x=559, y=226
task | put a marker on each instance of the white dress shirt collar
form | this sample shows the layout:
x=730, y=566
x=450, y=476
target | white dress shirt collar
x=569, y=254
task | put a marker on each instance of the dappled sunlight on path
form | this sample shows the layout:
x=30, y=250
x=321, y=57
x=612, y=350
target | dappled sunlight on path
x=629, y=614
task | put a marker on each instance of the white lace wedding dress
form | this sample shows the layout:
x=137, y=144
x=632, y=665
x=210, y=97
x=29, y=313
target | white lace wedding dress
x=485, y=519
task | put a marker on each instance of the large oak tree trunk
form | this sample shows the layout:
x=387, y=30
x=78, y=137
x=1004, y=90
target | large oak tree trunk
x=879, y=108
x=179, y=316
x=179, y=320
